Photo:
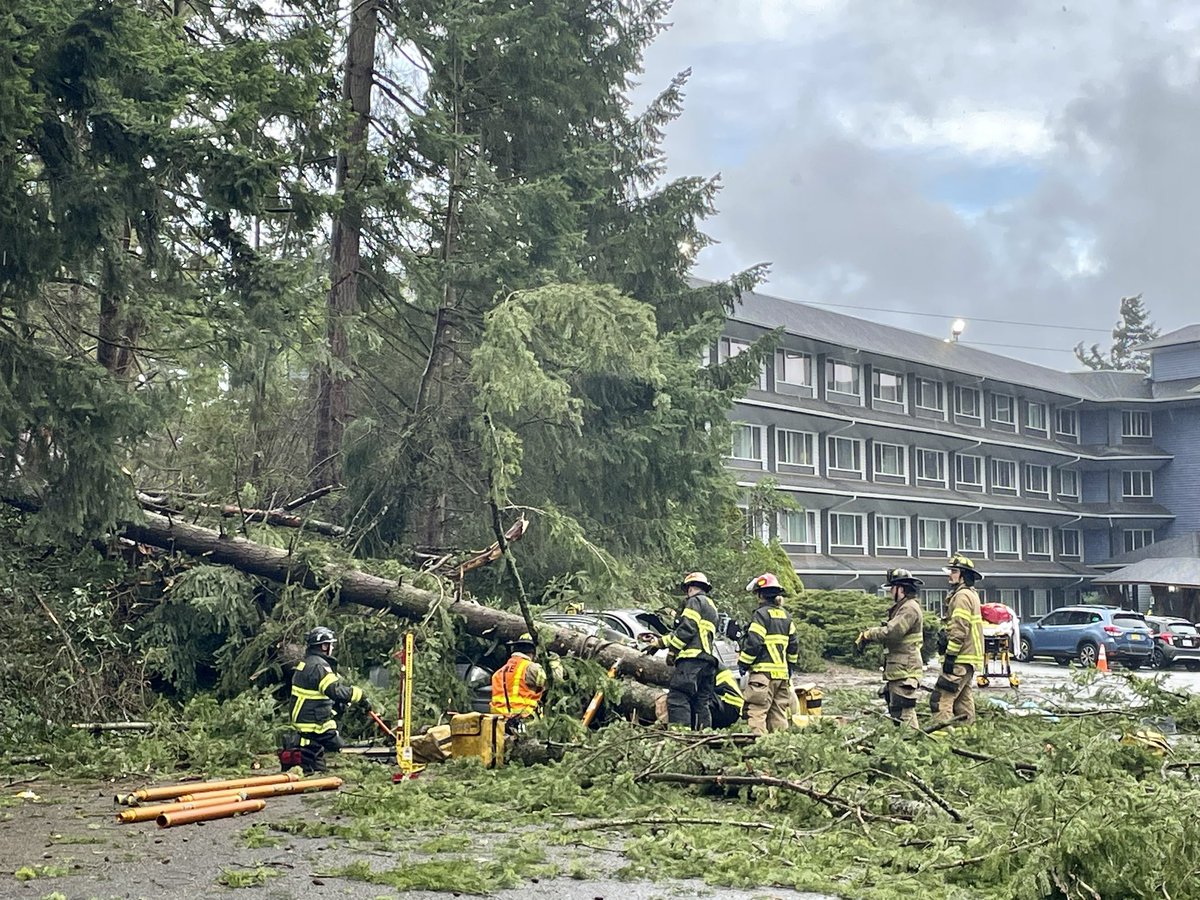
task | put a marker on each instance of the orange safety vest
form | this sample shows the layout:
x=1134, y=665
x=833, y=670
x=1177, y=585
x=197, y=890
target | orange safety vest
x=510, y=695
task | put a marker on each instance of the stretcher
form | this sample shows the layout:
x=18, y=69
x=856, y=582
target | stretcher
x=1000, y=624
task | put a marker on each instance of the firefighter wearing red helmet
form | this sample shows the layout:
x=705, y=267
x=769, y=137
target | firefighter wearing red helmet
x=690, y=652
x=769, y=651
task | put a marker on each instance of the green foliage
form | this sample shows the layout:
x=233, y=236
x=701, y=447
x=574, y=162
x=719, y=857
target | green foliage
x=247, y=878
x=28, y=873
x=1134, y=327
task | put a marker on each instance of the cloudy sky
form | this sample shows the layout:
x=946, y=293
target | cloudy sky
x=994, y=159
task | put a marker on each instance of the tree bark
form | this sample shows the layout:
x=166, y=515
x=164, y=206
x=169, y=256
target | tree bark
x=333, y=388
x=404, y=600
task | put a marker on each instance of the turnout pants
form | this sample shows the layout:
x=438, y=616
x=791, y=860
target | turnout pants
x=313, y=748
x=767, y=702
x=954, y=696
x=901, y=697
x=691, y=693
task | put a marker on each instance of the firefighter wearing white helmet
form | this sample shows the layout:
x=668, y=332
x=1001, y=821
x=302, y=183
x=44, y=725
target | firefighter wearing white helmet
x=690, y=652
x=901, y=636
x=769, y=651
x=953, y=694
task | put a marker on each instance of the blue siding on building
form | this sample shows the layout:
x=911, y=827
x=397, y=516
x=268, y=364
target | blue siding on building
x=1093, y=427
x=1094, y=487
x=1096, y=546
x=1177, y=484
x=1174, y=363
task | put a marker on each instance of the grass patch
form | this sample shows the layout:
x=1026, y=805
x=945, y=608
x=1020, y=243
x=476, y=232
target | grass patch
x=28, y=873
x=245, y=878
x=447, y=843
x=258, y=836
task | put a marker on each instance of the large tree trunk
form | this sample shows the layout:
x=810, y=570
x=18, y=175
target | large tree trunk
x=333, y=387
x=401, y=599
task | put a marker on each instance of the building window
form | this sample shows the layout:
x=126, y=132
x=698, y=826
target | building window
x=1068, y=483
x=968, y=471
x=891, y=460
x=1066, y=422
x=842, y=378
x=793, y=367
x=1002, y=409
x=887, y=386
x=970, y=538
x=1068, y=542
x=1135, y=424
x=755, y=526
x=1010, y=597
x=747, y=442
x=929, y=395
x=1041, y=601
x=932, y=534
x=796, y=448
x=1005, y=539
x=891, y=534
x=1039, y=541
x=1004, y=476
x=931, y=465
x=846, y=530
x=729, y=347
x=966, y=403
x=1137, y=538
x=933, y=601
x=799, y=528
x=845, y=455
x=1035, y=416
x=1137, y=485
x=1037, y=479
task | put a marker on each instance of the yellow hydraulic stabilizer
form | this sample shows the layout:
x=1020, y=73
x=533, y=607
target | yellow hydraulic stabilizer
x=404, y=750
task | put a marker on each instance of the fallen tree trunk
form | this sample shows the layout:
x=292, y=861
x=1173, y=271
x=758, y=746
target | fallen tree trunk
x=398, y=598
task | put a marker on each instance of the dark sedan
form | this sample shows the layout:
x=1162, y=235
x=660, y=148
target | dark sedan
x=1175, y=641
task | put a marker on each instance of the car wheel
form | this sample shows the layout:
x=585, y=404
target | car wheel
x=1087, y=654
x=1192, y=665
x=1158, y=660
x=1063, y=660
x=1134, y=664
x=1025, y=651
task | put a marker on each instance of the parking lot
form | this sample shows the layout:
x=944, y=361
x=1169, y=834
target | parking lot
x=1041, y=675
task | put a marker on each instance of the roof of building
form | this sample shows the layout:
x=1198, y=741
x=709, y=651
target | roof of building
x=1187, y=545
x=1178, y=571
x=1188, y=334
x=844, y=330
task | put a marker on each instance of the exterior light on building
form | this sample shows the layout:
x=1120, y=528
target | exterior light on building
x=957, y=327
x=1171, y=589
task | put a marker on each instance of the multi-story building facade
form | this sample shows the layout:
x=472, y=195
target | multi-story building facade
x=899, y=449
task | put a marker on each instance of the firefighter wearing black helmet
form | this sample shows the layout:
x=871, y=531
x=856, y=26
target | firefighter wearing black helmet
x=953, y=695
x=316, y=688
x=690, y=652
x=901, y=636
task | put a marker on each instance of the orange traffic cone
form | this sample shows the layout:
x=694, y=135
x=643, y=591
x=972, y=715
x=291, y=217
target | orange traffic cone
x=1102, y=660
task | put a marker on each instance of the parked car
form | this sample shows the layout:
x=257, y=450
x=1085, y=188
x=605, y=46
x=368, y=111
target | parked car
x=643, y=626
x=1078, y=632
x=1175, y=641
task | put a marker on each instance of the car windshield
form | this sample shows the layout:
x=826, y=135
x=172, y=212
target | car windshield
x=1130, y=620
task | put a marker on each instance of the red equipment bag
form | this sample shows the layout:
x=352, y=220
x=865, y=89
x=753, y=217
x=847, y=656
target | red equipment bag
x=995, y=613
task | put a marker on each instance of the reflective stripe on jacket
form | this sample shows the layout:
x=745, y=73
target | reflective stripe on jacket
x=901, y=637
x=770, y=643
x=316, y=686
x=728, y=692
x=694, y=630
x=517, y=687
x=964, y=626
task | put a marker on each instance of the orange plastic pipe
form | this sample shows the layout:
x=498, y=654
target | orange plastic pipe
x=208, y=813
x=270, y=790
x=150, y=813
x=173, y=791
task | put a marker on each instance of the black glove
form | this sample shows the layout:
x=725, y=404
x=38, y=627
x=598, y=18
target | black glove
x=943, y=641
x=742, y=670
x=366, y=704
x=948, y=664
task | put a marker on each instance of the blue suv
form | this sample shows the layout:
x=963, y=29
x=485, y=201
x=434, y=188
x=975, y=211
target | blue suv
x=1077, y=633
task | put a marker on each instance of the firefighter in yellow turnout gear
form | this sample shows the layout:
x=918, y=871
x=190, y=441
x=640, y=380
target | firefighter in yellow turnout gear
x=690, y=654
x=769, y=651
x=901, y=636
x=953, y=695
x=316, y=688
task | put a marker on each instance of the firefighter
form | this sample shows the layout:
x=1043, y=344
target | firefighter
x=519, y=685
x=953, y=695
x=728, y=703
x=316, y=689
x=769, y=651
x=901, y=637
x=690, y=653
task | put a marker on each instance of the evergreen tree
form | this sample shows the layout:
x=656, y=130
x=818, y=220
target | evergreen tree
x=1133, y=328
